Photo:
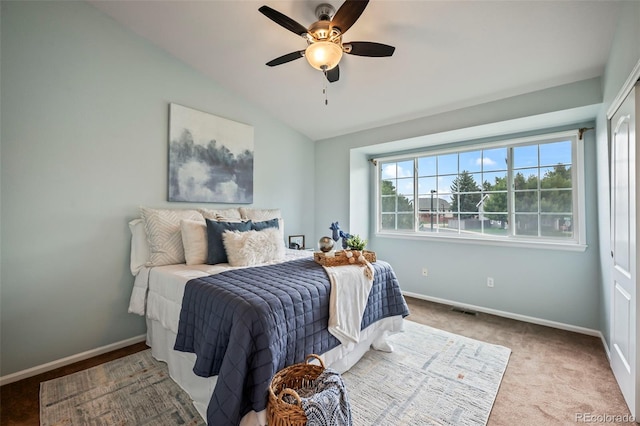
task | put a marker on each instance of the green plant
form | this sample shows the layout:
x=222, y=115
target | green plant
x=356, y=243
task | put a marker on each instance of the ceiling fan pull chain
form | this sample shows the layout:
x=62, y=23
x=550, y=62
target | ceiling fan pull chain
x=324, y=89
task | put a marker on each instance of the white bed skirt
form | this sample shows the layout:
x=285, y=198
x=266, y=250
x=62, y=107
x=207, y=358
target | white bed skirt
x=200, y=389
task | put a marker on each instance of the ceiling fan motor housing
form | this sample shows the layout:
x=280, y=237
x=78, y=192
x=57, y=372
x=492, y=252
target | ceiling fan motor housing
x=325, y=12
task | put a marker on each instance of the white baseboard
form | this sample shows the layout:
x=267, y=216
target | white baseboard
x=33, y=371
x=525, y=318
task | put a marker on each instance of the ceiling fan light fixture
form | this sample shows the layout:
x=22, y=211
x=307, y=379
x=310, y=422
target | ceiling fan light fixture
x=323, y=55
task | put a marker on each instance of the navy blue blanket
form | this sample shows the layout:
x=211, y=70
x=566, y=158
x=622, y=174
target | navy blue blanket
x=244, y=325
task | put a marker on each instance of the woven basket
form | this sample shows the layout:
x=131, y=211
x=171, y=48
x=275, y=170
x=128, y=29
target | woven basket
x=286, y=382
x=341, y=258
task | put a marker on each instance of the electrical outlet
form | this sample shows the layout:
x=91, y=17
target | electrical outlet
x=490, y=282
x=425, y=272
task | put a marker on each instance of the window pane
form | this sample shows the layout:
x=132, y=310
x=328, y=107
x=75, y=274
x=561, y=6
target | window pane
x=445, y=182
x=495, y=206
x=405, y=186
x=388, y=204
x=556, y=177
x=426, y=185
x=494, y=181
x=405, y=204
x=556, y=201
x=557, y=226
x=494, y=159
x=525, y=156
x=471, y=161
x=448, y=164
x=388, y=221
x=526, y=179
x=405, y=221
x=526, y=201
x=405, y=169
x=427, y=166
x=388, y=170
x=555, y=153
x=387, y=187
x=526, y=224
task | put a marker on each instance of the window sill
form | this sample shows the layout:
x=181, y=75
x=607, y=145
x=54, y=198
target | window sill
x=506, y=242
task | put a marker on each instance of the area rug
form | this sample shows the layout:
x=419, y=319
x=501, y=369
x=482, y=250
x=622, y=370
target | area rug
x=134, y=390
x=431, y=378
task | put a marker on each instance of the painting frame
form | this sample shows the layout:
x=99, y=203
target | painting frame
x=210, y=158
x=296, y=242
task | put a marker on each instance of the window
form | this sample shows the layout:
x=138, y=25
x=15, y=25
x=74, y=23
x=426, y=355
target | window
x=524, y=190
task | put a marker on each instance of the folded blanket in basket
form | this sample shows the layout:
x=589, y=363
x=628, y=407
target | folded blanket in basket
x=326, y=402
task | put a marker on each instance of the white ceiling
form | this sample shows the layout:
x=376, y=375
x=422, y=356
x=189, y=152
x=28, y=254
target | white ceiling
x=449, y=54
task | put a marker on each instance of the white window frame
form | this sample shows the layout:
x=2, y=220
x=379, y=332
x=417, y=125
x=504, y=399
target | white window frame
x=576, y=243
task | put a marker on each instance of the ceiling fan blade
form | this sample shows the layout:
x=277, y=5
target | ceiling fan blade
x=368, y=48
x=348, y=14
x=283, y=20
x=333, y=74
x=286, y=58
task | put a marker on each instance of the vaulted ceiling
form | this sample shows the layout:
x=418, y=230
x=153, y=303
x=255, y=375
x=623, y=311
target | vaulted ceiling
x=449, y=54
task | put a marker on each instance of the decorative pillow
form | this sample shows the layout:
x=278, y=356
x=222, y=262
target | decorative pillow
x=253, y=247
x=194, y=240
x=224, y=215
x=259, y=226
x=215, y=250
x=163, y=234
x=139, y=246
x=259, y=214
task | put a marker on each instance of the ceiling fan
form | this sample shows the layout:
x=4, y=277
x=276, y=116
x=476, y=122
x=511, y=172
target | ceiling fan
x=324, y=37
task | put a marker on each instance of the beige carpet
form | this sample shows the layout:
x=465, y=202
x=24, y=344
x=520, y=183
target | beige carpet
x=553, y=377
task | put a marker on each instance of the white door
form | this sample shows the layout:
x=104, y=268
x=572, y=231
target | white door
x=623, y=246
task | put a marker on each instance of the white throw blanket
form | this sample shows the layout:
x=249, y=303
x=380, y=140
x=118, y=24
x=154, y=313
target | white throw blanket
x=350, y=287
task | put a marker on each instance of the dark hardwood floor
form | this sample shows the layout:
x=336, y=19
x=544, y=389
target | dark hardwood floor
x=19, y=401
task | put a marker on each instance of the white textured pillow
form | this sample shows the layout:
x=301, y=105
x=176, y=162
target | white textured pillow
x=139, y=246
x=259, y=215
x=194, y=240
x=222, y=215
x=164, y=235
x=253, y=247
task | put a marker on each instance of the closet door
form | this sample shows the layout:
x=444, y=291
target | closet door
x=623, y=248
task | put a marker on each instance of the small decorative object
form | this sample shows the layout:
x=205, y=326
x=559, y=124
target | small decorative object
x=345, y=236
x=356, y=243
x=296, y=242
x=325, y=244
x=335, y=228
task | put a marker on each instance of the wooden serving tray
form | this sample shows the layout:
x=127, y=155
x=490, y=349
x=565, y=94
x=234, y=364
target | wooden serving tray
x=341, y=258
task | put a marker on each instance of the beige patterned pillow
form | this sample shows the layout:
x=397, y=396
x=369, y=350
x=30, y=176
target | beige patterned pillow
x=258, y=215
x=164, y=234
x=222, y=215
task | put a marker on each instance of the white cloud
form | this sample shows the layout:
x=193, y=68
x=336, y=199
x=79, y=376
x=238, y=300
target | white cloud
x=486, y=161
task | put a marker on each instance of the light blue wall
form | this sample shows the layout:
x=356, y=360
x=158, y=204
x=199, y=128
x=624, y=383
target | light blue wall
x=623, y=57
x=83, y=144
x=551, y=285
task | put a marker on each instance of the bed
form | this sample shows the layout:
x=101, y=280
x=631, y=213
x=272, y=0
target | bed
x=172, y=298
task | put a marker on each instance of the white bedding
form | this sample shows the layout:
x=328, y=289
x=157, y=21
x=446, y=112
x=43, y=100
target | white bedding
x=158, y=293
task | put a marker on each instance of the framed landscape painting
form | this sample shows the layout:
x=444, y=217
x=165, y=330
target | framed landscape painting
x=210, y=158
